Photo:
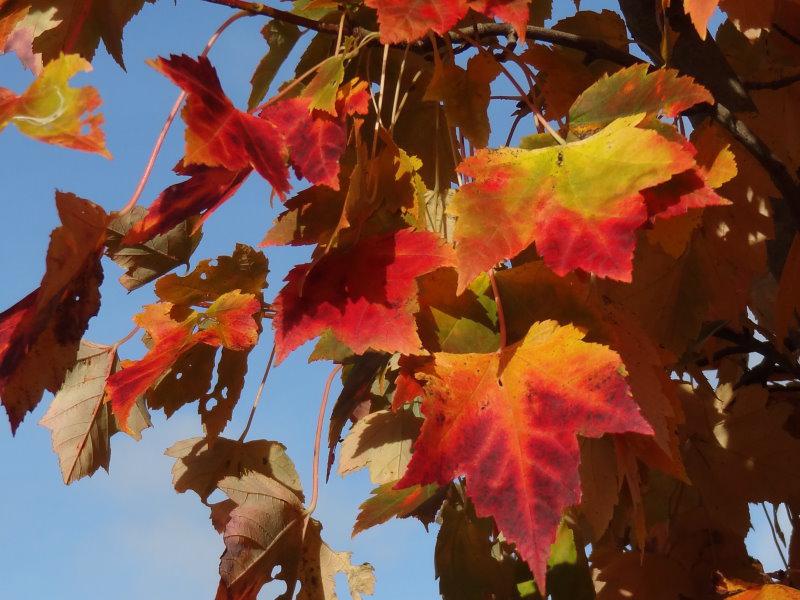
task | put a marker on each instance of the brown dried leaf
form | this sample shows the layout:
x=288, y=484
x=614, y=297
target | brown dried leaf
x=319, y=565
x=245, y=270
x=81, y=423
x=150, y=260
x=201, y=466
x=263, y=531
x=381, y=441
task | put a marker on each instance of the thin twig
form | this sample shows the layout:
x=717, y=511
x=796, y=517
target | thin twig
x=514, y=125
x=312, y=505
x=299, y=79
x=535, y=111
x=379, y=108
x=137, y=193
x=775, y=536
x=396, y=100
x=501, y=317
x=260, y=391
x=593, y=47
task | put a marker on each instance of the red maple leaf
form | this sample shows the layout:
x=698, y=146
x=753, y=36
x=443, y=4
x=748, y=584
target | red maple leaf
x=409, y=20
x=508, y=421
x=206, y=190
x=217, y=133
x=228, y=322
x=224, y=144
x=365, y=294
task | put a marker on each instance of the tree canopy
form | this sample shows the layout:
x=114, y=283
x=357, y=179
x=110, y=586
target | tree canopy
x=576, y=352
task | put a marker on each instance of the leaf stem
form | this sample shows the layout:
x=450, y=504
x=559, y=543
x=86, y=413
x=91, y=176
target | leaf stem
x=137, y=193
x=312, y=505
x=501, y=317
x=525, y=97
x=125, y=339
x=257, y=399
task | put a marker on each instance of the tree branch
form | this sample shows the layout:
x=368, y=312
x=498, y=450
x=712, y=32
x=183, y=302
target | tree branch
x=595, y=48
x=772, y=85
x=777, y=171
x=598, y=49
x=256, y=8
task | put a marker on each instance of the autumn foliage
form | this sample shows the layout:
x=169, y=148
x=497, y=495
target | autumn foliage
x=576, y=352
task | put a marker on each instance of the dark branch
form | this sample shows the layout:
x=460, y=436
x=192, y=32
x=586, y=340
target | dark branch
x=595, y=48
x=791, y=37
x=778, y=172
x=256, y=8
x=772, y=85
x=598, y=49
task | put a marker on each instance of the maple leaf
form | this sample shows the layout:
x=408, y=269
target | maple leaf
x=206, y=190
x=465, y=93
x=310, y=217
x=190, y=378
x=19, y=26
x=468, y=564
x=80, y=25
x=316, y=138
x=693, y=188
x=768, y=592
x=632, y=91
x=357, y=378
x=382, y=442
x=150, y=260
x=570, y=299
x=228, y=322
x=509, y=421
x=580, y=202
x=386, y=502
x=263, y=528
x=40, y=335
x=320, y=564
x=245, y=270
x=700, y=12
x=354, y=292
x=217, y=133
x=81, y=421
x=51, y=111
x=281, y=38
x=170, y=339
x=404, y=21
x=201, y=466
x=449, y=322
x=311, y=141
x=407, y=21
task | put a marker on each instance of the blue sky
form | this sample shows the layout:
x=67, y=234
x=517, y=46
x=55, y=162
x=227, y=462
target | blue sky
x=129, y=535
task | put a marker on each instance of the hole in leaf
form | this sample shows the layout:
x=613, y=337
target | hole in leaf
x=217, y=496
x=274, y=589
